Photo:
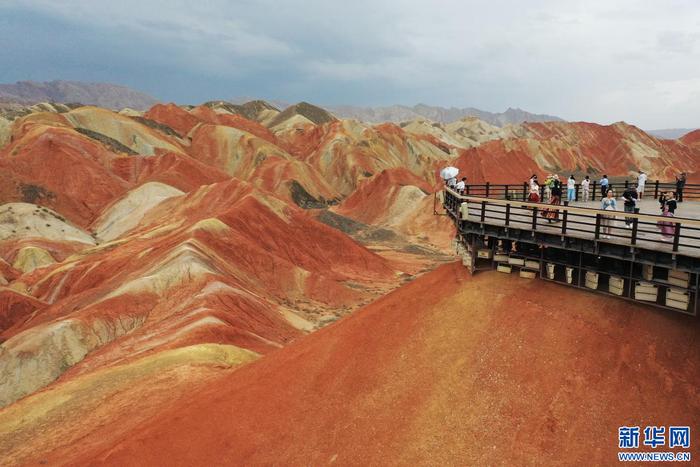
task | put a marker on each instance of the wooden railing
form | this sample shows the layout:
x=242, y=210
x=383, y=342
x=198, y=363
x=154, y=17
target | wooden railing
x=520, y=191
x=577, y=221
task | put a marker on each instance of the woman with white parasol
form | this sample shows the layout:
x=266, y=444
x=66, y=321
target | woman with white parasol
x=449, y=174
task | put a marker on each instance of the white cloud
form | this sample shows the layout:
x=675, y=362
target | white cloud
x=594, y=60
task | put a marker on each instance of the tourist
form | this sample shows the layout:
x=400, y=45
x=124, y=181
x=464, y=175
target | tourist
x=631, y=197
x=680, y=184
x=641, y=181
x=571, y=189
x=604, y=184
x=548, y=188
x=461, y=186
x=534, y=195
x=552, y=215
x=452, y=182
x=668, y=208
x=608, y=204
x=586, y=186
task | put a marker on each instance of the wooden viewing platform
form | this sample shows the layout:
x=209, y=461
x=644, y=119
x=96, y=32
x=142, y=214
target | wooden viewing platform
x=634, y=262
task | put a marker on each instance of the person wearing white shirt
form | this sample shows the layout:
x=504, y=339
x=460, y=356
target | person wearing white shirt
x=461, y=185
x=571, y=188
x=586, y=186
x=641, y=180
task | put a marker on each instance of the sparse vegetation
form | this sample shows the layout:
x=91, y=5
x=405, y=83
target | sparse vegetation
x=110, y=143
x=342, y=223
x=303, y=199
x=32, y=193
x=165, y=129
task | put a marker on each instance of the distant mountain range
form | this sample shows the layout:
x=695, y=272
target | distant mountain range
x=402, y=113
x=670, y=133
x=106, y=95
x=114, y=96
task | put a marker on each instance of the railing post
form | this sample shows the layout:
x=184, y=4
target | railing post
x=534, y=219
x=597, y=226
x=563, y=221
x=507, y=214
x=677, y=236
x=488, y=184
x=483, y=211
x=507, y=197
x=467, y=189
x=577, y=187
x=525, y=190
x=635, y=226
x=593, y=191
x=656, y=189
x=627, y=184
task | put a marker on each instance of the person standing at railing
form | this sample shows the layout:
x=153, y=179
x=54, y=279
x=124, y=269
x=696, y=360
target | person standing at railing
x=641, y=181
x=668, y=208
x=586, y=186
x=571, y=189
x=534, y=195
x=461, y=185
x=547, y=195
x=680, y=184
x=609, y=203
x=631, y=197
x=604, y=183
x=553, y=214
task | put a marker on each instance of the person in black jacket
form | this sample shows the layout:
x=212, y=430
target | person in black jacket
x=630, y=196
x=680, y=184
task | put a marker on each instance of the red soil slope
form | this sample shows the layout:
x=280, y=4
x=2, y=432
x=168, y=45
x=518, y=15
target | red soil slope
x=447, y=370
x=618, y=149
x=497, y=162
x=173, y=116
x=373, y=197
x=691, y=138
x=59, y=168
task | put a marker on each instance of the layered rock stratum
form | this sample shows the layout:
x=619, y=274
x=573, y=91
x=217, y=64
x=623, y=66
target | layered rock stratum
x=146, y=257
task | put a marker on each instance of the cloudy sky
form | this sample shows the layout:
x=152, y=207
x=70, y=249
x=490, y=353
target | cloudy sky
x=601, y=61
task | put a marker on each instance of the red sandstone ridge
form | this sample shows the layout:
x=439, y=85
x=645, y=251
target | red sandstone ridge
x=617, y=148
x=521, y=378
x=692, y=138
x=499, y=161
x=173, y=116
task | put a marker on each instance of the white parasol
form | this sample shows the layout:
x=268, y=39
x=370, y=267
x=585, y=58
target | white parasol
x=449, y=172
